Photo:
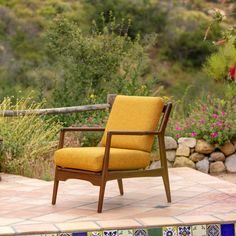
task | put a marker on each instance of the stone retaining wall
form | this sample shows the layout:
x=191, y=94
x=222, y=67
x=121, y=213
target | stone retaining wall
x=198, y=154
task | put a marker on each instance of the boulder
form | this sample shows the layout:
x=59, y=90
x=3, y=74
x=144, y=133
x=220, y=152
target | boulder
x=204, y=147
x=230, y=163
x=203, y=165
x=155, y=156
x=197, y=157
x=217, y=156
x=234, y=143
x=183, y=150
x=170, y=155
x=157, y=164
x=183, y=162
x=189, y=142
x=228, y=149
x=170, y=143
x=217, y=167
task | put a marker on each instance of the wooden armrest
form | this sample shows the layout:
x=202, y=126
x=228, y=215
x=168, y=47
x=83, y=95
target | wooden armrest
x=72, y=129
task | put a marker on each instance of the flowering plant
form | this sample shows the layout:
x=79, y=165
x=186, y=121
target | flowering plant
x=232, y=74
x=213, y=120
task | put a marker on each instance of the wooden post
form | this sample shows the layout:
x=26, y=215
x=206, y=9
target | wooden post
x=111, y=99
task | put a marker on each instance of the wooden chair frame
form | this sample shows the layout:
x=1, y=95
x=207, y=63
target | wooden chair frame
x=100, y=178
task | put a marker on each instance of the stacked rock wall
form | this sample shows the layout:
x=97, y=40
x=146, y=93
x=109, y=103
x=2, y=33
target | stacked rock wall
x=200, y=155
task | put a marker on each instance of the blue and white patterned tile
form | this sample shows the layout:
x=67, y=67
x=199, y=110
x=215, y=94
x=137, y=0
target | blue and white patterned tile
x=213, y=230
x=79, y=234
x=110, y=233
x=169, y=231
x=199, y=230
x=95, y=233
x=185, y=230
x=125, y=232
x=140, y=232
x=227, y=229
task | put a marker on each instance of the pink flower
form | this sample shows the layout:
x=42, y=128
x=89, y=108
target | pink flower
x=194, y=134
x=202, y=121
x=215, y=116
x=222, y=112
x=177, y=135
x=214, y=134
x=178, y=128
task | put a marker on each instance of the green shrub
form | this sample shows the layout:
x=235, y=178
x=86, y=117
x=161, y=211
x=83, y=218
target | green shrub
x=218, y=64
x=139, y=17
x=183, y=37
x=27, y=140
x=94, y=65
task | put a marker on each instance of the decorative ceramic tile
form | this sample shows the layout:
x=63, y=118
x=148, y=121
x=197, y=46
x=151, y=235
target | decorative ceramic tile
x=227, y=230
x=169, y=231
x=95, y=233
x=155, y=232
x=47, y=234
x=79, y=234
x=213, y=230
x=64, y=234
x=184, y=230
x=110, y=233
x=199, y=230
x=140, y=232
x=126, y=232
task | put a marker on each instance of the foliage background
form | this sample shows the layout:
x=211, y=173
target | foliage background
x=66, y=53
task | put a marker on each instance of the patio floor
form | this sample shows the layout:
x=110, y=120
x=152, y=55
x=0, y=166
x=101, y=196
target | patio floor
x=197, y=198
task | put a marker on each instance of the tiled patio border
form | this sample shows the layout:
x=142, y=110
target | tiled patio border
x=153, y=226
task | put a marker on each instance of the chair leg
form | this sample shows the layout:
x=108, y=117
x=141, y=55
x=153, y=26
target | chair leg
x=101, y=196
x=120, y=184
x=55, y=188
x=166, y=182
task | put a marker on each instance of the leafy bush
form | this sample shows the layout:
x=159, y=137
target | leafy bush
x=218, y=64
x=27, y=140
x=139, y=17
x=184, y=34
x=92, y=66
x=211, y=119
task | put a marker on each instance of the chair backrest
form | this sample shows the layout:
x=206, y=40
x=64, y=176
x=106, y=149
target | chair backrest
x=133, y=113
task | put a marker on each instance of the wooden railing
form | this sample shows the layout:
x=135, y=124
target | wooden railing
x=61, y=110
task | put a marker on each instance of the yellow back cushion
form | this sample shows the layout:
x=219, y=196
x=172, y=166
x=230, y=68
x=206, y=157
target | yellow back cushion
x=133, y=113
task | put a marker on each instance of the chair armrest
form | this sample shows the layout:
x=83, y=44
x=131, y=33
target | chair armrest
x=76, y=129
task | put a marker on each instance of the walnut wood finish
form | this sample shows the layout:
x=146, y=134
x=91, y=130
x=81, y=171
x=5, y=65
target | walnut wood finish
x=100, y=178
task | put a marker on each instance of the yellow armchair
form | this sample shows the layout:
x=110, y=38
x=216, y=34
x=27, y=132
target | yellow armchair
x=124, y=150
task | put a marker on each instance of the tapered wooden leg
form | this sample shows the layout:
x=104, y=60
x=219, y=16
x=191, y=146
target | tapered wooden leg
x=101, y=196
x=55, y=188
x=165, y=178
x=120, y=184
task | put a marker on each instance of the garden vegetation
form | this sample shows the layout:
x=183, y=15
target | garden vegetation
x=68, y=53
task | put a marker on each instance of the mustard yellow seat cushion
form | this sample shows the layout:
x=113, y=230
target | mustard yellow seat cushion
x=91, y=158
x=134, y=113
